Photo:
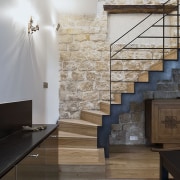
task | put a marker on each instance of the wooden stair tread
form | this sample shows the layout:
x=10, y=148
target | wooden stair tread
x=73, y=135
x=97, y=112
x=108, y=102
x=77, y=121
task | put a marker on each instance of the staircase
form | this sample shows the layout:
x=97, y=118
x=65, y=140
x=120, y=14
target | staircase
x=82, y=142
x=78, y=144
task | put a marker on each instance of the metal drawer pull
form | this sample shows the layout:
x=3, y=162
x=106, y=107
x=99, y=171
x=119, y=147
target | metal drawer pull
x=33, y=155
x=54, y=136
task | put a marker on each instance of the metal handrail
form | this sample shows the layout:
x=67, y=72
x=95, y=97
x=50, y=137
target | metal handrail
x=155, y=24
x=162, y=18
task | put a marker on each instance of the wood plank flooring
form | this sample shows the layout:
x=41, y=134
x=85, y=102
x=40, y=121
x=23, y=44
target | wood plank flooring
x=124, y=163
x=137, y=162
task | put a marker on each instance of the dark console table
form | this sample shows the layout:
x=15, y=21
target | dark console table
x=18, y=145
x=169, y=163
x=26, y=153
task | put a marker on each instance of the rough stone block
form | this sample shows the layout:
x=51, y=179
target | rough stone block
x=65, y=56
x=90, y=96
x=166, y=94
x=77, y=76
x=117, y=137
x=88, y=105
x=91, y=75
x=176, y=75
x=73, y=96
x=125, y=118
x=104, y=95
x=101, y=66
x=148, y=95
x=86, y=66
x=85, y=86
x=167, y=86
x=81, y=37
x=116, y=127
x=137, y=116
x=136, y=107
x=102, y=86
x=69, y=65
x=66, y=39
x=63, y=47
x=98, y=37
x=74, y=46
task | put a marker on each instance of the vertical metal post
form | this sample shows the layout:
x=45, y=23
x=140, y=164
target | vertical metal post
x=178, y=29
x=110, y=76
x=163, y=31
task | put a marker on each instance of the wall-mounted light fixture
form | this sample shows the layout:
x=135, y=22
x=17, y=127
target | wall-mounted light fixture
x=31, y=27
x=57, y=27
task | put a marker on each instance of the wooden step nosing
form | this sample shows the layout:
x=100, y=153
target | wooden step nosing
x=80, y=137
x=95, y=112
x=79, y=122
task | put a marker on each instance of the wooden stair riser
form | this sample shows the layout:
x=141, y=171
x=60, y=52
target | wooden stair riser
x=105, y=107
x=80, y=156
x=143, y=77
x=78, y=128
x=77, y=142
x=157, y=67
x=172, y=55
x=122, y=87
x=82, y=175
x=130, y=76
x=77, y=172
x=117, y=98
x=82, y=168
x=93, y=118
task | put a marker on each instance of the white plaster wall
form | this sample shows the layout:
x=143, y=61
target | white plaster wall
x=26, y=61
x=76, y=6
x=119, y=24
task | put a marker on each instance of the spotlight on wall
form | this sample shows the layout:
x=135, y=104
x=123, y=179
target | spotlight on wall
x=57, y=27
x=31, y=27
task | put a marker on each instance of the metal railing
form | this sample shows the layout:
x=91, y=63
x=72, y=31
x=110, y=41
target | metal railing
x=162, y=35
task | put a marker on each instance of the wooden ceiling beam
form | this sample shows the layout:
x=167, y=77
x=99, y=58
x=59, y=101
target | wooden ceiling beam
x=157, y=9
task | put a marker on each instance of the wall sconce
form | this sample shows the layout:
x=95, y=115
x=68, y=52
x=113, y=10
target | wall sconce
x=32, y=28
x=57, y=27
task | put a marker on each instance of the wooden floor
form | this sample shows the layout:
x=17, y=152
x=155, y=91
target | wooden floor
x=124, y=163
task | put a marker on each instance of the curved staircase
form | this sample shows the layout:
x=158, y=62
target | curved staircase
x=78, y=138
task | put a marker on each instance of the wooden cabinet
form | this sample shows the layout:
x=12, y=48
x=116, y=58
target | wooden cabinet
x=11, y=175
x=162, y=122
x=42, y=162
x=30, y=155
x=50, y=145
x=32, y=166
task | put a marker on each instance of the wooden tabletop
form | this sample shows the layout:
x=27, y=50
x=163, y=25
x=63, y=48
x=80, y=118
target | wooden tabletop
x=170, y=162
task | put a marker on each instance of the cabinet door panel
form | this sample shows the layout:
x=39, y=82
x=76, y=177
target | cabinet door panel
x=41, y=163
x=11, y=175
x=32, y=166
x=51, y=141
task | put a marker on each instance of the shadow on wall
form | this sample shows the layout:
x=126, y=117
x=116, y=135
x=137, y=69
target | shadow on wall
x=29, y=60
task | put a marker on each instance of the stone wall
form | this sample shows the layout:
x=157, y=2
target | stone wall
x=84, y=61
x=130, y=129
x=131, y=126
x=84, y=71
